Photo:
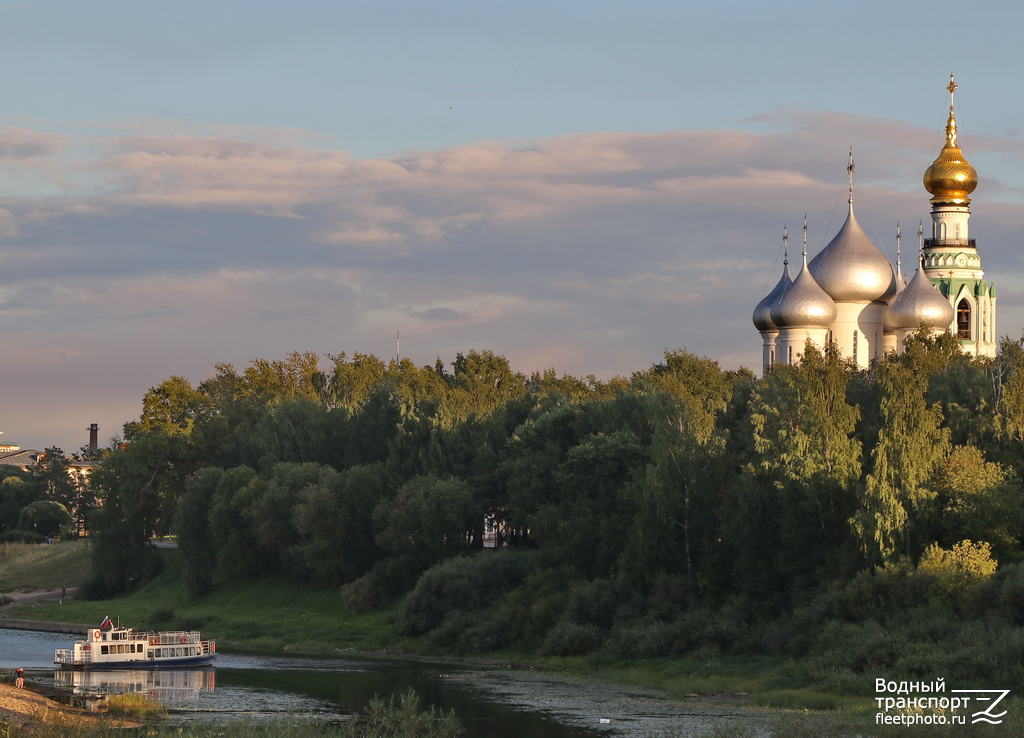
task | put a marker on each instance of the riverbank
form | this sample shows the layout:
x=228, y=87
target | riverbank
x=31, y=713
x=278, y=615
x=281, y=616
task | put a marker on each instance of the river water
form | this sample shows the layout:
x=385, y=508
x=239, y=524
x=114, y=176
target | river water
x=497, y=702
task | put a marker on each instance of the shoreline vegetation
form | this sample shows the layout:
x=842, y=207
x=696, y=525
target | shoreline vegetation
x=280, y=616
x=796, y=537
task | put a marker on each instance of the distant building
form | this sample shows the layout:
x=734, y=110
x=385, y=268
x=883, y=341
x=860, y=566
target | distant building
x=850, y=294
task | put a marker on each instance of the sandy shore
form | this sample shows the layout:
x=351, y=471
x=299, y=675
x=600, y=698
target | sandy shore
x=23, y=709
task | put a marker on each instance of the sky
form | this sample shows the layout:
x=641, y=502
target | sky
x=573, y=185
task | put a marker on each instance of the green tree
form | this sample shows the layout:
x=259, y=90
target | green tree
x=45, y=517
x=482, y=382
x=981, y=501
x=590, y=520
x=192, y=526
x=429, y=519
x=334, y=520
x=296, y=431
x=799, y=488
x=897, y=512
x=238, y=553
x=15, y=494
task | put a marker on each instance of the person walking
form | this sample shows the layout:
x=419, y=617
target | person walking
x=19, y=678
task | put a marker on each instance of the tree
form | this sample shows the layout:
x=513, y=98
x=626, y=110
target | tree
x=589, y=521
x=482, y=382
x=238, y=552
x=192, y=526
x=800, y=480
x=679, y=498
x=334, y=520
x=428, y=520
x=897, y=510
x=45, y=517
x=295, y=431
x=981, y=501
x=15, y=495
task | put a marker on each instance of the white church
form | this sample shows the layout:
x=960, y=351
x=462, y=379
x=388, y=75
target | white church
x=851, y=294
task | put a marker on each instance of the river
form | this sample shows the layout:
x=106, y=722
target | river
x=497, y=702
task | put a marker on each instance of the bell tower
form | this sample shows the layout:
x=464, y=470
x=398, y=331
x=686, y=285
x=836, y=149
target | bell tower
x=950, y=257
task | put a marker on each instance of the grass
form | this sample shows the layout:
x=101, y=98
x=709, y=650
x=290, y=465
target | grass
x=134, y=706
x=43, y=565
x=276, y=614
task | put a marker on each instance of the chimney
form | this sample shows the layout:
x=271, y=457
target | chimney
x=94, y=437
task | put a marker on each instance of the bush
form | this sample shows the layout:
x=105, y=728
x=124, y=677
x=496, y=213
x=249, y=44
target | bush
x=391, y=718
x=958, y=570
x=22, y=536
x=1011, y=594
x=161, y=615
x=645, y=640
x=460, y=585
x=378, y=586
x=571, y=639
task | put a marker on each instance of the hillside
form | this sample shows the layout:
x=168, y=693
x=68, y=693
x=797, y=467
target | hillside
x=28, y=566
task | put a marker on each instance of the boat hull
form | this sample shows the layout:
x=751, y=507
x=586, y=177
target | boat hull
x=190, y=662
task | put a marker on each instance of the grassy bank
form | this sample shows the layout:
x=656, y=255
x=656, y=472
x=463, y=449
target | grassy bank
x=280, y=615
x=275, y=614
x=43, y=566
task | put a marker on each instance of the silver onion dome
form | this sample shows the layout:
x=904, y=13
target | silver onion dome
x=852, y=269
x=763, y=312
x=804, y=304
x=919, y=303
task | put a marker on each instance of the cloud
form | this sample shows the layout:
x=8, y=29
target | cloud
x=24, y=145
x=589, y=253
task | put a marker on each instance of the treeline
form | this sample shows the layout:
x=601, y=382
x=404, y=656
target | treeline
x=684, y=509
x=50, y=499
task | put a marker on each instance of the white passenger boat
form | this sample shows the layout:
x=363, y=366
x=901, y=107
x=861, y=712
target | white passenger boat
x=108, y=647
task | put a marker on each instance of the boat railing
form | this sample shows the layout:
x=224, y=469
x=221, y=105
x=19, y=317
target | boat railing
x=67, y=656
x=171, y=637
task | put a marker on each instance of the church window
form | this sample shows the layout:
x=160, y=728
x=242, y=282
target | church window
x=963, y=319
x=790, y=355
x=771, y=358
x=855, y=345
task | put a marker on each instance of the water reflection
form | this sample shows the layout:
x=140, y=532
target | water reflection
x=170, y=686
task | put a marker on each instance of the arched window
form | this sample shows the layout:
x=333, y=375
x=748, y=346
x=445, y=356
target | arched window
x=790, y=355
x=963, y=319
x=855, y=346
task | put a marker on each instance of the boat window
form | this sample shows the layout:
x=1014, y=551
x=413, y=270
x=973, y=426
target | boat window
x=104, y=649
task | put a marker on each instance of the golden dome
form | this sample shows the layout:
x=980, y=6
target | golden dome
x=951, y=178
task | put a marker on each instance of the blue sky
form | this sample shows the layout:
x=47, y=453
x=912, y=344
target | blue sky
x=578, y=184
